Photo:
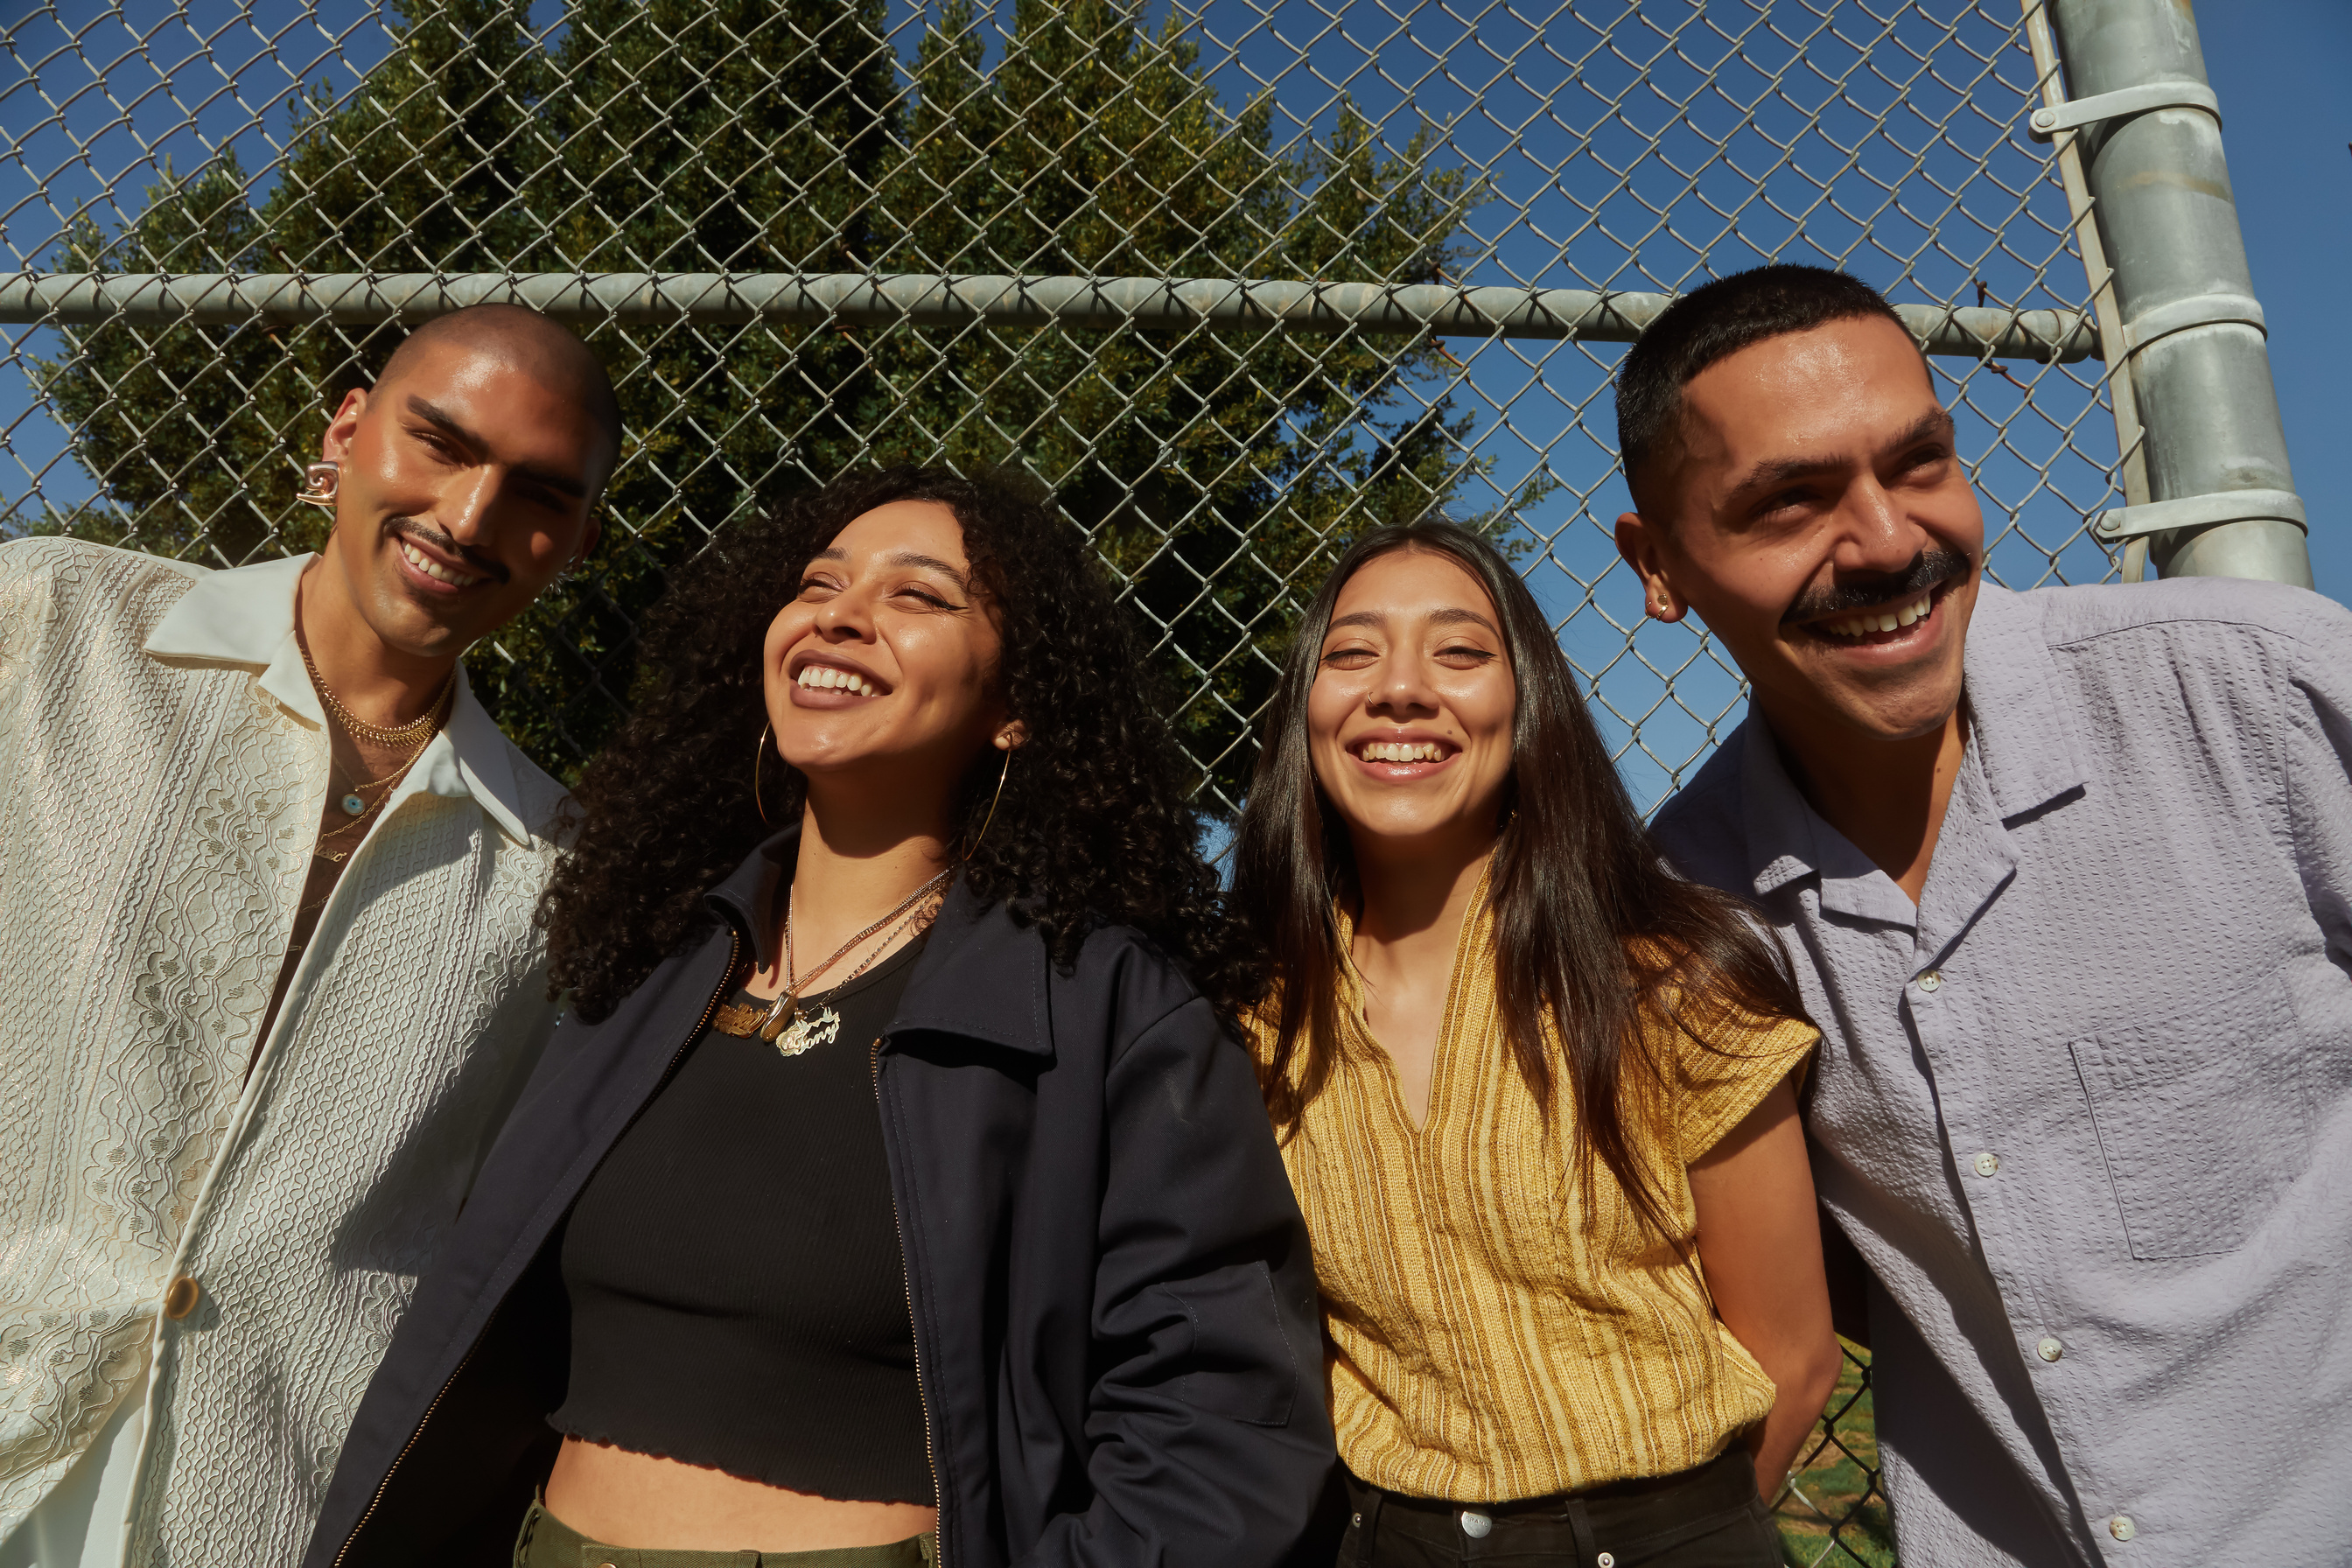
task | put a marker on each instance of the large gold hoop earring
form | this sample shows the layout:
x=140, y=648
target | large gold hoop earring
x=979, y=837
x=758, y=756
x=319, y=483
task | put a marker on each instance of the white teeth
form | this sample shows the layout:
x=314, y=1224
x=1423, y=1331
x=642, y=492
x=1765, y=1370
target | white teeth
x=1882, y=620
x=432, y=568
x=1402, y=751
x=824, y=678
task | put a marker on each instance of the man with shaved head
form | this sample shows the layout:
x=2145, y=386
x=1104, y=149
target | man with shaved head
x=2067, y=878
x=267, y=958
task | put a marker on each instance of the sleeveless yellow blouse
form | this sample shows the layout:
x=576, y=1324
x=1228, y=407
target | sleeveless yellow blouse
x=1495, y=1330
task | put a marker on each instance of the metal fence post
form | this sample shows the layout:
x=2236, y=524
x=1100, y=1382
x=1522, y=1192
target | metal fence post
x=2222, y=502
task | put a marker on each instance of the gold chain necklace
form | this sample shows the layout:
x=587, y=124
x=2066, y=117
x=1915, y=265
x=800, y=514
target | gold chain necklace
x=417, y=734
x=783, y=1026
x=387, y=736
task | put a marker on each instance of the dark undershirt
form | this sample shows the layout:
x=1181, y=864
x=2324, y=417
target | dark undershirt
x=737, y=1290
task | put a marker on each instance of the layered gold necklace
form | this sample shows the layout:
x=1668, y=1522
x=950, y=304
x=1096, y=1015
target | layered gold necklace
x=414, y=735
x=781, y=1023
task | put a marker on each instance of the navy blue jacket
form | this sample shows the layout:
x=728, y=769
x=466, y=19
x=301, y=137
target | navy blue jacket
x=1114, y=1303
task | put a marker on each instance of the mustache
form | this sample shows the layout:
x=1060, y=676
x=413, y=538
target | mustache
x=448, y=546
x=1928, y=570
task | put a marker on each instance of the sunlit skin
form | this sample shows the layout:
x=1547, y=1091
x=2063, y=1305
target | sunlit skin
x=469, y=457
x=1415, y=657
x=474, y=462
x=891, y=602
x=1816, y=475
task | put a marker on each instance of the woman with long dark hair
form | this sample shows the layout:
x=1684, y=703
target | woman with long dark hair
x=894, y=1193
x=1536, y=1097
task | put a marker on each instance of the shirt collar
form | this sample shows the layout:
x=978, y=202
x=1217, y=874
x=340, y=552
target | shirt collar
x=1788, y=840
x=244, y=618
x=2023, y=726
x=2020, y=730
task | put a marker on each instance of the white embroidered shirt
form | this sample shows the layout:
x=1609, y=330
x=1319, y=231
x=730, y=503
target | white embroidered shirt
x=163, y=760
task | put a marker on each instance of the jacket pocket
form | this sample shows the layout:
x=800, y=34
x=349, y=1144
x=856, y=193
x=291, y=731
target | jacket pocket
x=2202, y=1120
x=1241, y=1364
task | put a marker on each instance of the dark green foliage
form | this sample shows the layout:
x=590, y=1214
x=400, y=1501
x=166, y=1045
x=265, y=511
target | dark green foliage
x=1214, y=471
x=179, y=424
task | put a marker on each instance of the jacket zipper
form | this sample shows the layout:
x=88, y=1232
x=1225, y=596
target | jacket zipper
x=907, y=1283
x=734, y=957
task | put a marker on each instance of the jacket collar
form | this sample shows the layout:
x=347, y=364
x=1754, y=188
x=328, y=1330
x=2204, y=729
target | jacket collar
x=243, y=618
x=982, y=974
x=2014, y=707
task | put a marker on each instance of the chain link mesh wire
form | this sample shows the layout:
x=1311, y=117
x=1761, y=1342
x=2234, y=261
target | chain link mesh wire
x=1215, y=468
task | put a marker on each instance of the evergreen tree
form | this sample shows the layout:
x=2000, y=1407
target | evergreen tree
x=176, y=423
x=1213, y=470
x=199, y=435
x=700, y=136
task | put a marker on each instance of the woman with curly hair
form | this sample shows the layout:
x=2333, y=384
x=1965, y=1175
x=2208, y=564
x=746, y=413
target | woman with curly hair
x=894, y=1193
x=1536, y=1097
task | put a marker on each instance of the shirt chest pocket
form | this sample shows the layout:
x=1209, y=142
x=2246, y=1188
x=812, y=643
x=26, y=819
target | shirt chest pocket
x=2203, y=1121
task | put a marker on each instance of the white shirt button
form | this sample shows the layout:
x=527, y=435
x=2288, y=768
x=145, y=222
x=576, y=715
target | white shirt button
x=1931, y=980
x=1987, y=1163
x=1606, y=1560
x=2122, y=1528
x=2049, y=1350
x=1475, y=1524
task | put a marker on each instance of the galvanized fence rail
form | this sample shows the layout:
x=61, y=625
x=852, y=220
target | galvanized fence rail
x=1236, y=278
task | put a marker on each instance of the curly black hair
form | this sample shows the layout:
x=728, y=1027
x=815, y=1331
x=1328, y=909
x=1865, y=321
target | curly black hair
x=1094, y=828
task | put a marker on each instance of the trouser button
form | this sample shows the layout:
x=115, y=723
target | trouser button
x=1475, y=1524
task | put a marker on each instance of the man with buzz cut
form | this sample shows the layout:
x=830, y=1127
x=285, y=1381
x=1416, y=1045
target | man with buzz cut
x=267, y=956
x=2066, y=876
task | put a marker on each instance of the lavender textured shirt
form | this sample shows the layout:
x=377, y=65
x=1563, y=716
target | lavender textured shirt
x=2086, y=1110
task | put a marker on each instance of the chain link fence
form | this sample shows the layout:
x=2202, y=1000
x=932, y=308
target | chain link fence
x=1236, y=278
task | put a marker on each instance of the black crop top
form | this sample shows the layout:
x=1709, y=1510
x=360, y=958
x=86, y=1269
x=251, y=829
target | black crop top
x=738, y=1295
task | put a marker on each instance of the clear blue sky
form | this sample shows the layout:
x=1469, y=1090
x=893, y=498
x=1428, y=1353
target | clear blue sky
x=2283, y=69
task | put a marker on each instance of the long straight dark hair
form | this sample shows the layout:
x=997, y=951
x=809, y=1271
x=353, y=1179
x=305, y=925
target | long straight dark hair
x=1591, y=929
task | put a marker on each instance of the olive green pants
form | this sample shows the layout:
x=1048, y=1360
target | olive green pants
x=546, y=1542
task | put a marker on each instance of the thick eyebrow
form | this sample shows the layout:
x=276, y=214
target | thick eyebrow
x=931, y=562
x=1774, y=471
x=538, y=473
x=903, y=558
x=1455, y=617
x=1446, y=617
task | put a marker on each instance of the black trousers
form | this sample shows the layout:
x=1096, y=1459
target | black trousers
x=1704, y=1517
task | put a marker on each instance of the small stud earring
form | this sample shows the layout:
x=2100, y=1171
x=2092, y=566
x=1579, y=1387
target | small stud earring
x=319, y=483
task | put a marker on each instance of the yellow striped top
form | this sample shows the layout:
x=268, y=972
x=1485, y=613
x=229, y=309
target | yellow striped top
x=1494, y=1333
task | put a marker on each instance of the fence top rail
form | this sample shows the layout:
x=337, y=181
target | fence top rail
x=1166, y=304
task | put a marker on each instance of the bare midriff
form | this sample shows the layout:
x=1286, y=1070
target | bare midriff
x=615, y=1498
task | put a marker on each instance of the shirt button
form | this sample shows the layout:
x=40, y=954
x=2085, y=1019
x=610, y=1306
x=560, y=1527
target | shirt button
x=1987, y=1163
x=180, y=1298
x=1931, y=980
x=1475, y=1524
x=2122, y=1528
x=1606, y=1560
x=2049, y=1350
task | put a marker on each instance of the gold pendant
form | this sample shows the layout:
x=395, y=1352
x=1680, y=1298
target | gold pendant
x=805, y=1032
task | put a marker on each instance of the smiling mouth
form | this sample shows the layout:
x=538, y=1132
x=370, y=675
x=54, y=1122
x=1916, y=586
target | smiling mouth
x=825, y=678
x=1403, y=760
x=1401, y=752
x=1871, y=623
x=434, y=569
